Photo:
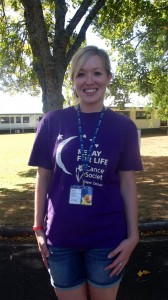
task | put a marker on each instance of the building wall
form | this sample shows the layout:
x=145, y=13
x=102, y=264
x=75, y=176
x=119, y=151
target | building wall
x=138, y=116
x=19, y=122
x=29, y=122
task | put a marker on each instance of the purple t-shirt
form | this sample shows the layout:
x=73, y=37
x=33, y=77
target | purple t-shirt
x=57, y=147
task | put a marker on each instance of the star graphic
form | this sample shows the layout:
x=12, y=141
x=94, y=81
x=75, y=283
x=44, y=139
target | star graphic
x=59, y=137
x=80, y=168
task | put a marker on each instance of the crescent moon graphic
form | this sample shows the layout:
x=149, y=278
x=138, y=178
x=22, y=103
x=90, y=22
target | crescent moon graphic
x=58, y=153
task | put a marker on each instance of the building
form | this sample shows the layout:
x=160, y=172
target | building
x=28, y=122
x=147, y=122
x=19, y=123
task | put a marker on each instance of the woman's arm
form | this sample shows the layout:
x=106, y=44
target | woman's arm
x=42, y=182
x=129, y=193
x=125, y=248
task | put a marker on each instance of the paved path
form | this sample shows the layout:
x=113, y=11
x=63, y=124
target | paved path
x=23, y=276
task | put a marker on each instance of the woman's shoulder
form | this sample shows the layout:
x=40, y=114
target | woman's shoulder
x=55, y=114
x=119, y=118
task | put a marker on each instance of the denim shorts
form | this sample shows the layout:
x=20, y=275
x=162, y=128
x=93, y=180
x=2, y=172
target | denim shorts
x=71, y=268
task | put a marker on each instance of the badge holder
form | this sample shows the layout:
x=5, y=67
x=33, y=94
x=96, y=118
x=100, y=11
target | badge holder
x=81, y=195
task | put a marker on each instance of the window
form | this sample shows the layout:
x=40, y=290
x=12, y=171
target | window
x=4, y=120
x=123, y=112
x=163, y=123
x=26, y=120
x=18, y=119
x=141, y=115
x=7, y=120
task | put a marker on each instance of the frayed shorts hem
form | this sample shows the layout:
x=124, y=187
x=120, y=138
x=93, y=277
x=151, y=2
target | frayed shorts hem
x=105, y=286
x=89, y=282
x=69, y=288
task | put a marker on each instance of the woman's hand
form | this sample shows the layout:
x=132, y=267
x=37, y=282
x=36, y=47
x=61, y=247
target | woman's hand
x=122, y=253
x=41, y=240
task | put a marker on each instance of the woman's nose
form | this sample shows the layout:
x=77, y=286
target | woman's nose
x=89, y=79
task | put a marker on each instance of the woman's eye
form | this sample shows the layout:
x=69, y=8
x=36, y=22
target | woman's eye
x=81, y=74
x=97, y=73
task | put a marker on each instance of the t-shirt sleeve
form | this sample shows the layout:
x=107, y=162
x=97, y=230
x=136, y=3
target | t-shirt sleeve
x=130, y=157
x=40, y=154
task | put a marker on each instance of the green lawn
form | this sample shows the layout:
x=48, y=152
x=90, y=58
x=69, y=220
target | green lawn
x=16, y=179
x=14, y=152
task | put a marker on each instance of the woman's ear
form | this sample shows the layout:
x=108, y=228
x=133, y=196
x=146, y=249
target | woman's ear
x=75, y=93
x=110, y=79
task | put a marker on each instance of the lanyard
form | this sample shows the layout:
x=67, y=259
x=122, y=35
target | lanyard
x=86, y=158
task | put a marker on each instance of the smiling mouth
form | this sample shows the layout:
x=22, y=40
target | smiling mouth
x=90, y=90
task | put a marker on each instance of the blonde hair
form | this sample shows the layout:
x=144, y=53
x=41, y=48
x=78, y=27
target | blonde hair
x=82, y=56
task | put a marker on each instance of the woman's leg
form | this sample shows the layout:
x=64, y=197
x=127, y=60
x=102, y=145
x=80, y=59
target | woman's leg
x=101, y=285
x=74, y=294
x=97, y=293
x=67, y=273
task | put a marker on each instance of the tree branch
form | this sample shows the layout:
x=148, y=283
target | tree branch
x=60, y=13
x=35, y=24
x=3, y=8
x=66, y=34
x=81, y=35
x=78, y=16
x=143, y=35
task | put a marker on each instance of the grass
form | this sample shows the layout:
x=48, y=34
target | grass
x=17, y=180
x=152, y=183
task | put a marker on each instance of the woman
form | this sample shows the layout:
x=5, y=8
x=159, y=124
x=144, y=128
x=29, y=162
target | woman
x=85, y=197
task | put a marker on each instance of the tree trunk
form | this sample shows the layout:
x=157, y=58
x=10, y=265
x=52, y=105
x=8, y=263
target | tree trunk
x=51, y=83
x=52, y=96
x=50, y=62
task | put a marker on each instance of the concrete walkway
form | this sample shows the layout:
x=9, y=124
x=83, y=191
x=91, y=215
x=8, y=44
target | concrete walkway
x=23, y=275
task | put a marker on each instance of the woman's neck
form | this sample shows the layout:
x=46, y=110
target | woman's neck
x=90, y=108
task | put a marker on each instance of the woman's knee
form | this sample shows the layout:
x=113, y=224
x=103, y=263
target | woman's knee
x=97, y=293
x=72, y=294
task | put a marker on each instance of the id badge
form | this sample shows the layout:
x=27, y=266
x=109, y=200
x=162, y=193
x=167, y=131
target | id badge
x=81, y=195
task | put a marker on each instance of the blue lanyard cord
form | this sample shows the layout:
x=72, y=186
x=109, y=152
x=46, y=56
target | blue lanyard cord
x=86, y=158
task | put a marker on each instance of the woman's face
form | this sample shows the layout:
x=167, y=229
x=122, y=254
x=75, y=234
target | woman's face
x=91, y=82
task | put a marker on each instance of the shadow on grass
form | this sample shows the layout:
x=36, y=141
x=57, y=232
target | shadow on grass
x=29, y=173
x=17, y=205
x=152, y=186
